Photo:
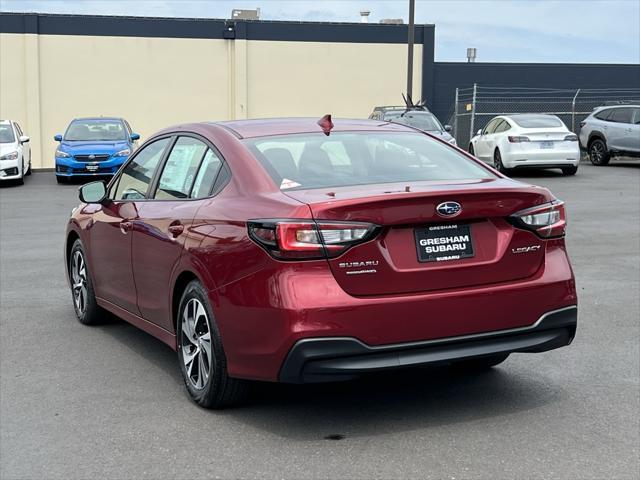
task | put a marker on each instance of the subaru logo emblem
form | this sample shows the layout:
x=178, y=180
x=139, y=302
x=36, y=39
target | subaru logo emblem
x=448, y=209
x=92, y=156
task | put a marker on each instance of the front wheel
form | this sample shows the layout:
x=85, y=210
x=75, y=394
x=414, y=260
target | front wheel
x=84, y=300
x=569, y=171
x=21, y=179
x=471, y=151
x=202, y=359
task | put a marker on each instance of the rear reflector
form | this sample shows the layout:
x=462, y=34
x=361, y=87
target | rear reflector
x=306, y=239
x=546, y=221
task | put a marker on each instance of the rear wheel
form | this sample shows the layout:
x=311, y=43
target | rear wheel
x=481, y=363
x=598, y=153
x=497, y=163
x=569, y=170
x=84, y=299
x=202, y=359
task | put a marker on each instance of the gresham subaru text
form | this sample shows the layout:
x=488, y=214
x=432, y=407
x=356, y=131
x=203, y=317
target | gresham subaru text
x=299, y=250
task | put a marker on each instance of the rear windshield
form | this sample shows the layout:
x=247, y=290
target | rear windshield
x=95, y=130
x=304, y=161
x=537, y=121
x=423, y=121
x=6, y=133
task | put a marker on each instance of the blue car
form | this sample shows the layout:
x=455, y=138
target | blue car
x=93, y=146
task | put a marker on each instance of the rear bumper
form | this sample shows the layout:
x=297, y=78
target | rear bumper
x=315, y=360
x=526, y=156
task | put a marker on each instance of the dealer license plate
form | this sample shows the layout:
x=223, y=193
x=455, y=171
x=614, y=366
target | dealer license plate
x=92, y=168
x=439, y=243
x=546, y=145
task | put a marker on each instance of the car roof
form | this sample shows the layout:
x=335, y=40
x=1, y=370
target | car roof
x=98, y=118
x=621, y=105
x=5, y=122
x=283, y=126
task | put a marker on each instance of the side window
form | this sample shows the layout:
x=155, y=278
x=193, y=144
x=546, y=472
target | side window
x=207, y=175
x=490, y=127
x=136, y=176
x=621, y=115
x=603, y=114
x=180, y=169
x=636, y=119
x=503, y=126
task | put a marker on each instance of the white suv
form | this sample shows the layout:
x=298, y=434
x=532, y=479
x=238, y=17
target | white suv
x=611, y=131
x=15, y=153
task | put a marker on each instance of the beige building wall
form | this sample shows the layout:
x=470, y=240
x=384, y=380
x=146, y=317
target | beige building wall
x=47, y=80
x=313, y=78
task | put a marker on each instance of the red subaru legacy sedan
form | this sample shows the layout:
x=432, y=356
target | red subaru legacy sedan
x=298, y=251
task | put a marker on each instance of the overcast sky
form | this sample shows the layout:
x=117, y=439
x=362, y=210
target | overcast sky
x=606, y=31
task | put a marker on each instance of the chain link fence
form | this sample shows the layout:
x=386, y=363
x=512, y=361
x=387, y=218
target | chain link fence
x=475, y=106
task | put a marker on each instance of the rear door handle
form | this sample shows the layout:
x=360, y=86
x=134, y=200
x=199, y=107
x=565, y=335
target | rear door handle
x=176, y=229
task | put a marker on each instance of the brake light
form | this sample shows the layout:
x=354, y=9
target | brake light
x=571, y=138
x=546, y=221
x=307, y=240
x=518, y=139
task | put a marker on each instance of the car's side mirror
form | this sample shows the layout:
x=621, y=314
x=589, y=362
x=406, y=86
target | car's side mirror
x=94, y=192
x=135, y=136
x=57, y=138
x=447, y=128
x=24, y=139
x=479, y=132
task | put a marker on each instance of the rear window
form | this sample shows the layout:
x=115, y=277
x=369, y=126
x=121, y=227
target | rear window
x=537, y=121
x=304, y=161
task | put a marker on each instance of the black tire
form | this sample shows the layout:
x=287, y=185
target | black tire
x=471, y=149
x=62, y=180
x=598, y=152
x=28, y=172
x=481, y=363
x=194, y=324
x=84, y=300
x=20, y=181
x=569, y=171
x=497, y=163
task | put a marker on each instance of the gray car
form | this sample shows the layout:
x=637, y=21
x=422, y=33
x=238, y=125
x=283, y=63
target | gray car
x=421, y=118
x=611, y=131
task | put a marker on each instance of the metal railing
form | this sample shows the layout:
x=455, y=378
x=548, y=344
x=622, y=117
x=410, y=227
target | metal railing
x=475, y=106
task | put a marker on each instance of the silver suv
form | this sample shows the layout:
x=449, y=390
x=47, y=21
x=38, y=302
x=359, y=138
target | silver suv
x=611, y=131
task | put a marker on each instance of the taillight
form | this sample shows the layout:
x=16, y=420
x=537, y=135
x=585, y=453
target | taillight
x=547, y=221
x=305, y=239
x=582, y=124
x=571, y=138
x=518, y=139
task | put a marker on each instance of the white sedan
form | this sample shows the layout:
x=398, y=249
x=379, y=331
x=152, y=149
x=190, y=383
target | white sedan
x=15, y=153
x=527, y=141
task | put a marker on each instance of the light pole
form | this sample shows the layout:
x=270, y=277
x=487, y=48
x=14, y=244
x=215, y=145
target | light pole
x=412, y=8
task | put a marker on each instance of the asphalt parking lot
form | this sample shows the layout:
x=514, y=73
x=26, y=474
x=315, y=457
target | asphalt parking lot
x=108, y=402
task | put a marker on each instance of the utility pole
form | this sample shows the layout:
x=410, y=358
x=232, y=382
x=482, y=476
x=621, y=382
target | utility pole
x=412, y=8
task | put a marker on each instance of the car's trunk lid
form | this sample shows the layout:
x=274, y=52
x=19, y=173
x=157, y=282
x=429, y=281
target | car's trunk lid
x=390, y=263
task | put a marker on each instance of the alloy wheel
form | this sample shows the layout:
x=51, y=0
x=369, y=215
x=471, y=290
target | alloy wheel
x=597, y=152
x=497, y=161
x=195, y=343
x=79, y=278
